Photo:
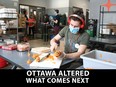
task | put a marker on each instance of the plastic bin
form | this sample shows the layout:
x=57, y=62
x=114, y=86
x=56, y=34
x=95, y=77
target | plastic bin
x=97, y=59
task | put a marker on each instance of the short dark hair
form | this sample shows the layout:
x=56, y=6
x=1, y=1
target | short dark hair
x=56, y=10
x=24, y=11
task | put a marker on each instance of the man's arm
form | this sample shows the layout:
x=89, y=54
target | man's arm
x=55, y=21
x=54, y=41
x=81, y=50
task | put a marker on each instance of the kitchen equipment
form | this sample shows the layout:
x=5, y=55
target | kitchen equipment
x=9, y=41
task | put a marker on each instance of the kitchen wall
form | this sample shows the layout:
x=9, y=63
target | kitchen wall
x=41, y=3
x=57, y=3
x=61, y=5
x=50, y=5
x=10, y=3
x=64, y=6
x=80, y=3
x=95, y=7
x=95, y=10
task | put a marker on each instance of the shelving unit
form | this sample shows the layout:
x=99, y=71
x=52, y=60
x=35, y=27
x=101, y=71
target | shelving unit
x=102, y=24
x=7, y=16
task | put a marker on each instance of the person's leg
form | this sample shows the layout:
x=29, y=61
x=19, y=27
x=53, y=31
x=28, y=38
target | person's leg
x=26, y=30
x=29, y=31
x=56, y=31
x=33, y=29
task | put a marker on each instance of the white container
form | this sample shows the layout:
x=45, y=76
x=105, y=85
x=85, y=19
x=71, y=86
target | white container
x=97, y=59
x=9, y=41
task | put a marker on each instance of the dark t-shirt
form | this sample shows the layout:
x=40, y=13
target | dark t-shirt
x=57, y=17
x=72, y=41
x=46, y=19
x=26, y=20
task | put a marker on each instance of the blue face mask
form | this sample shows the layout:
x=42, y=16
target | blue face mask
x=74, y=30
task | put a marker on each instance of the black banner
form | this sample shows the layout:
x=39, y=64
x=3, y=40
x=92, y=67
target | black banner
x=73, y=76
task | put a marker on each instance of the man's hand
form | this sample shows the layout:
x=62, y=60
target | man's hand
x=53, y=47
x=63, y=55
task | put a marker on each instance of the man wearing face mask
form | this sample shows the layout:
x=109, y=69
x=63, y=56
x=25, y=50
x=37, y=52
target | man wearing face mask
x=76, y=39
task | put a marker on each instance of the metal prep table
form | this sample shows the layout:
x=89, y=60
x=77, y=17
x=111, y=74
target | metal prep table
x=19, y=59
x=101, y=42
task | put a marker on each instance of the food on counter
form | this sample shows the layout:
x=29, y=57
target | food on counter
x=88, y=68
x=54, y=62
x=9, y=47
x=37, y=59
x=100, y=55
x=23, y=46
x=35, y=56
x=57, y=53
x=29, y=61
x=46, y=60
x=50, y=57
x=107, y=61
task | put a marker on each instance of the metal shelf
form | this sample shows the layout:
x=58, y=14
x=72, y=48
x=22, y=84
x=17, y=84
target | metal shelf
x=101, y=19
x=7, y=18
x=8, y=35
x=106, y=25
x=107, y=11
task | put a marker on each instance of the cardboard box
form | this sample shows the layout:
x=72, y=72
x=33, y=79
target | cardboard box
x=22, y=21
x=112, y=26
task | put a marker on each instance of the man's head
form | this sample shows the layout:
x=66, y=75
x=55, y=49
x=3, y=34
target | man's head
x=31, y=16
x=25, y=11
x=76, y=23
x=57, y=11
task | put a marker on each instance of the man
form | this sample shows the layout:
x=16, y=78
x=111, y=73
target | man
x=76, y=39
x=56, y=21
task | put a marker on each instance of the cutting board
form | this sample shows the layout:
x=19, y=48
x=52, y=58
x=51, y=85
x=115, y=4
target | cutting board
x=47, y=63
x=40, y=50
